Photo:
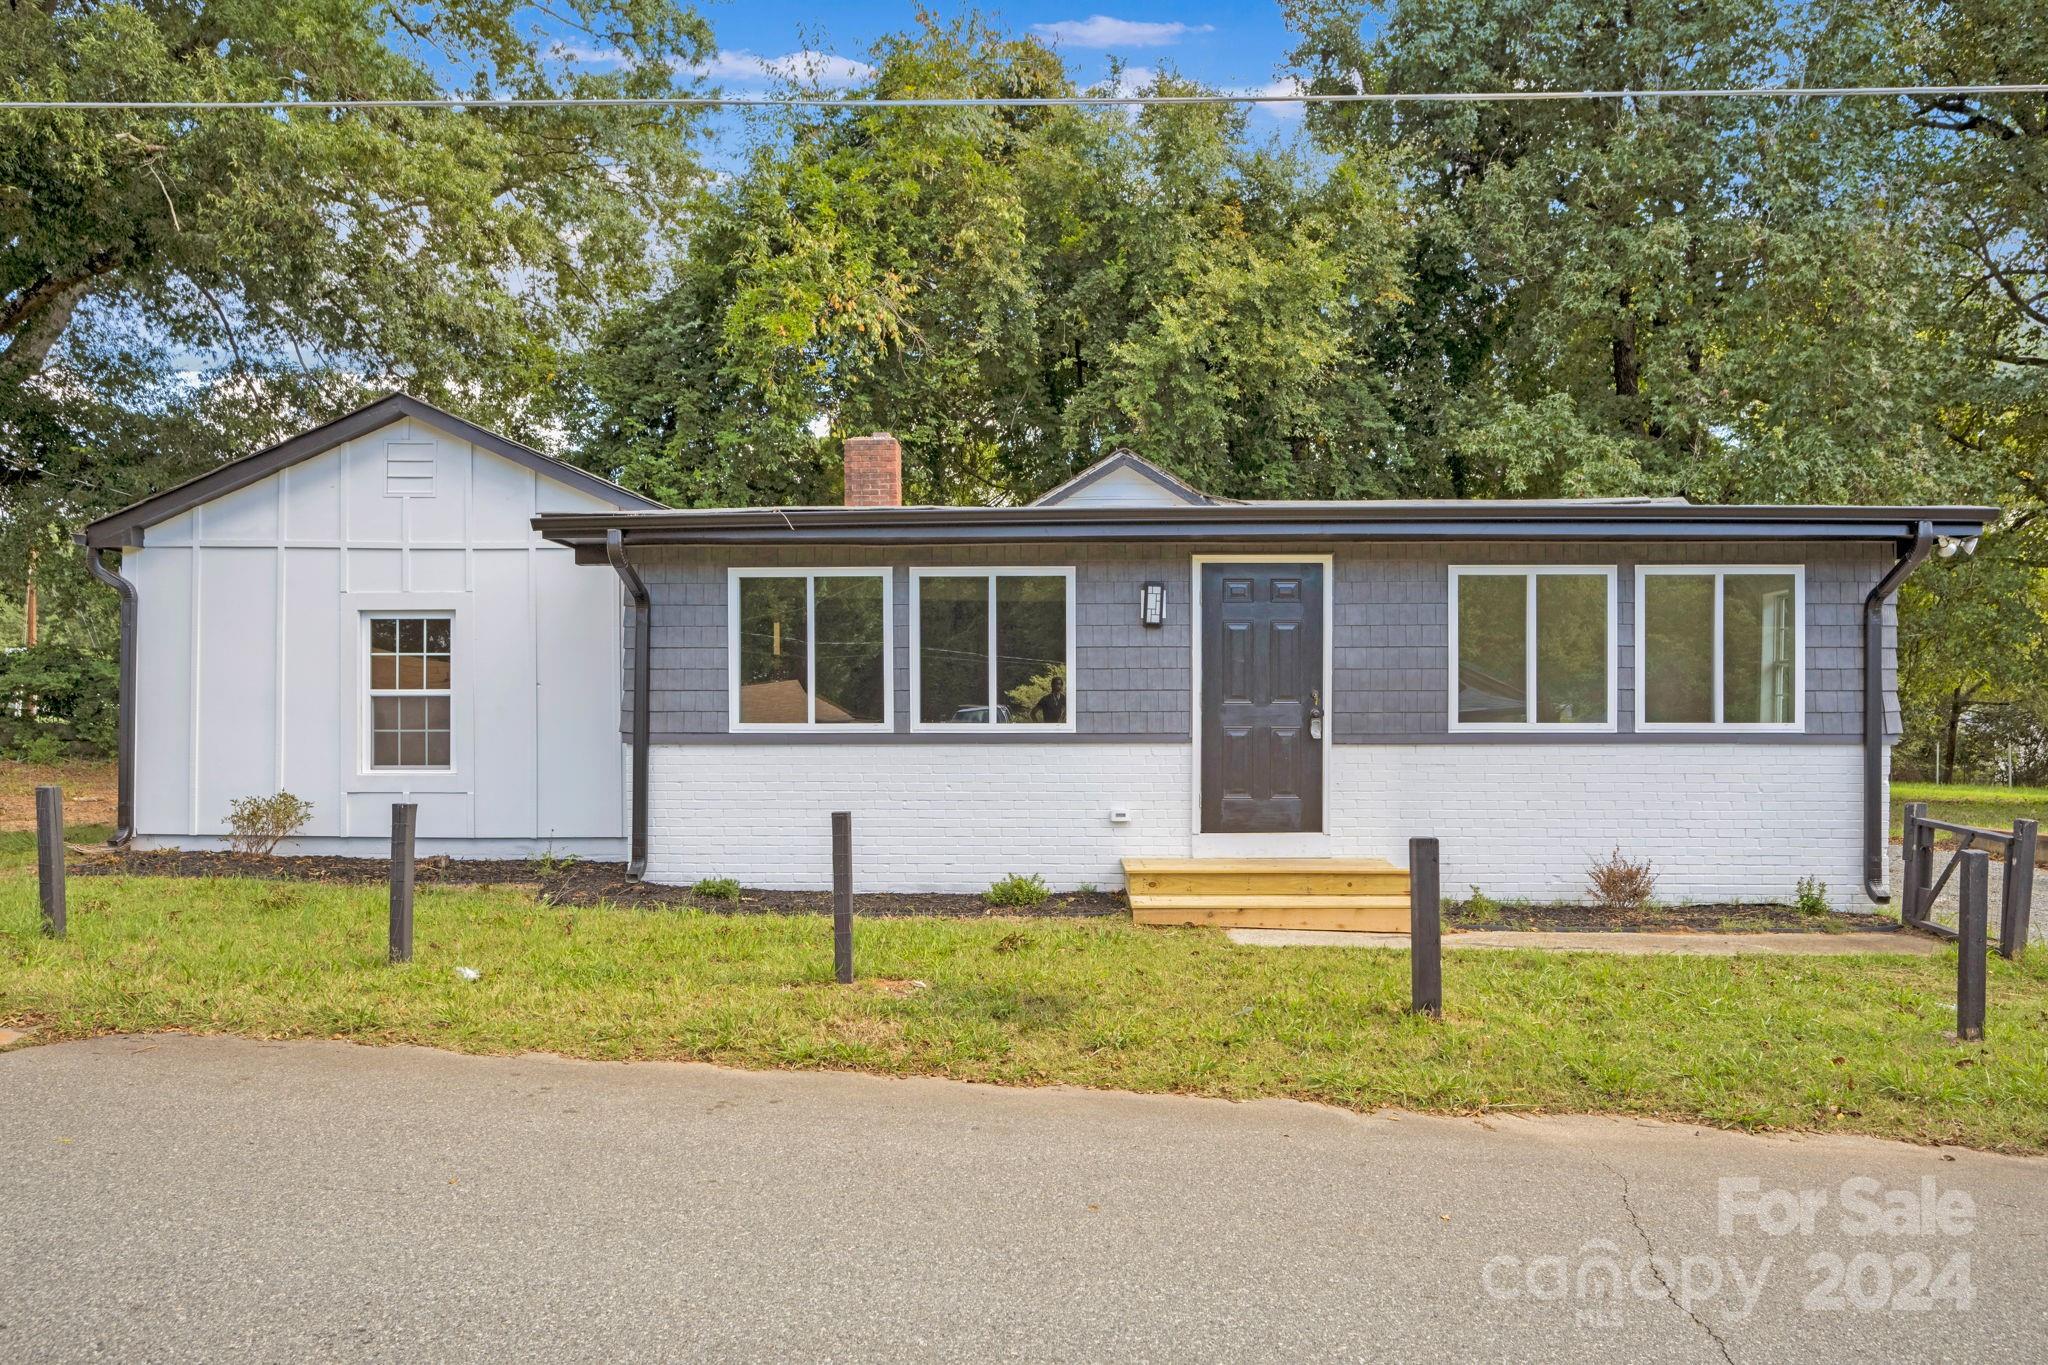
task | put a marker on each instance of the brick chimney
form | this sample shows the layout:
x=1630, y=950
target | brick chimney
x=874, y=471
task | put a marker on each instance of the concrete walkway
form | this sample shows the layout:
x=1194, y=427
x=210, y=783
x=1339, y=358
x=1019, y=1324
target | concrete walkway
x=1645, y=945
x=177, y=1198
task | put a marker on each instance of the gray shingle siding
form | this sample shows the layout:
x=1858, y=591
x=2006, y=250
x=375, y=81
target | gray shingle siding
x=1389, y=630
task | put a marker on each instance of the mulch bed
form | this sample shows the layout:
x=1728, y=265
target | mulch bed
x=1751, y=919
x=600, y=883
x=575, y=883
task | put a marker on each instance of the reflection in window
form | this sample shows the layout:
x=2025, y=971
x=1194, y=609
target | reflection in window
x=811, y=648
x=411, y=678
x=992, y=648
x=1756, y=681
x=1561, y=677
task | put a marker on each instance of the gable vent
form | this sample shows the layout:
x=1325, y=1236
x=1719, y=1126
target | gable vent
x=409, y=470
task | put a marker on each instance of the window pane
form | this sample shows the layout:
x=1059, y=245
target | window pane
x=384, y=749
x=384, y=635
x=437, y=637
x=384, y=713
x=953, y=650
x=437, y=749
x=412, y=749
x=383, y=671
x=772, y=642
x=412, y=713
x=1571, y=648
x=409, y=635
x=1757, y=641
x=437, y=713
x=1678, y=640
x=849, y=671
x=437, y=670
x=1492, y=662
x=1031, y=650
x=412, y=672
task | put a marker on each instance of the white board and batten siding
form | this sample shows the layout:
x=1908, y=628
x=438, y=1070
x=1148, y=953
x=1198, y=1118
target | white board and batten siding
x=252, y=657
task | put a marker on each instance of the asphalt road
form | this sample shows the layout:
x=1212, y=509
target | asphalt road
x=174, y=1198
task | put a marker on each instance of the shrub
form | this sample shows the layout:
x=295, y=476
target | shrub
x=1618, y=884
x=57, y=701
x=1811, y=898
x=1016, y=890
x=259, y=823
x=717, y=889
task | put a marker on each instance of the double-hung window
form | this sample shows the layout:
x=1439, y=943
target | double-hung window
x=992, y=647
x=1720, y=648
x=1532, y=648
x=411, y=690
x=809, y=649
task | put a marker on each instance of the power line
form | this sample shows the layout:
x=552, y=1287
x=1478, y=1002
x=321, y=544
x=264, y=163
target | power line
x=1041, y=101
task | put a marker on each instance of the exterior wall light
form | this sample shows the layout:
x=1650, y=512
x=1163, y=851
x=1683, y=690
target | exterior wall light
x=1152, y=604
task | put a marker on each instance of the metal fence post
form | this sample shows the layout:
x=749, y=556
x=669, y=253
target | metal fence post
x=50, y=857
x=842, y=896
x=404, y=821
x=1425, y=930
x=1970, y=947
x=2016, y=905
x=1913, y=875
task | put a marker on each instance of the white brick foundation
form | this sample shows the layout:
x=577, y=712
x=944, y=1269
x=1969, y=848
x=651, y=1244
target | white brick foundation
x=1718, y=821
x=926, y=817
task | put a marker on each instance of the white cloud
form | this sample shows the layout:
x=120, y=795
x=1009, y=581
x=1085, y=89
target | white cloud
x=1288, y=86
x=739, y=66
x=1099, y=30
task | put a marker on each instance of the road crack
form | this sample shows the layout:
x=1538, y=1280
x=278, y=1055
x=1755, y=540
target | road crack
x=1628, y=1206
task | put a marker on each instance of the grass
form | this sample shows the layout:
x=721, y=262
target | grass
x=1985, y=807
x=1842, y=1044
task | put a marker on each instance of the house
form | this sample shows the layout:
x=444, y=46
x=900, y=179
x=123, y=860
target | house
x=403, y=605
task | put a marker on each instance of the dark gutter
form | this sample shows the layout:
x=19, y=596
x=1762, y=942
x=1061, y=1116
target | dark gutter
x=124, y=763
x=1876, y=819
x=586, y=531
x=643, y=679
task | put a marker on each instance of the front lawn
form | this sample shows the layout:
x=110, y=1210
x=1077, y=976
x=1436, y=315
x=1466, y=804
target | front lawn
x=1856, y=1044
x=1984, y=807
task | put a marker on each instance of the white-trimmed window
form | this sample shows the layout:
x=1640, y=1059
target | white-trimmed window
x=1532, y=648
x=808, y=649
x=410, y=668
x=1721, y=647
x=992, y=647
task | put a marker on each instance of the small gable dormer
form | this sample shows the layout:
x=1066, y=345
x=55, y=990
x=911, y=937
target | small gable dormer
x=1124, y=480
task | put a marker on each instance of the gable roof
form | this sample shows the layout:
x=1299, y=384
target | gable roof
x=1175, y=487
x=126, y=526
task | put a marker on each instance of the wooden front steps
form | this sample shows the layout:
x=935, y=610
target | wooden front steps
x=1368, y=894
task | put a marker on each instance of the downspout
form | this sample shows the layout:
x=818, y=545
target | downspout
x=643, y=669
x=1876, y=819
x=124, y=761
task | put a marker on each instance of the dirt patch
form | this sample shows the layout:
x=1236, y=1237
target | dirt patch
x=88, y=792
x=1705, y=919
x=574, y=883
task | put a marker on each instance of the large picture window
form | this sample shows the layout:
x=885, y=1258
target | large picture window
x=1532, y=648
x=1720, y=647
x=809, y=649
x=992, y=647
x=412, y=679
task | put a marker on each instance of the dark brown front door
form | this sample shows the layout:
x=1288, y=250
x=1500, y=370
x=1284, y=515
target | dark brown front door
x=1262, y=703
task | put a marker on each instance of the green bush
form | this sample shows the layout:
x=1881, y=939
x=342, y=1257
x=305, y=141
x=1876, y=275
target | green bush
x=717, y=889
x=1812, y=896
x=1016, y=890
x=57, y=701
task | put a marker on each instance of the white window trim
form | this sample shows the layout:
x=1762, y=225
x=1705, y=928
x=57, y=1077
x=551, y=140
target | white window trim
x=1797, y=725
x=811, y=726
x=991, y=725
x=366, y=728
x=1530, y=573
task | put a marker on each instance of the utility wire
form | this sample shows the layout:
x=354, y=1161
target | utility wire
x=1046, y=101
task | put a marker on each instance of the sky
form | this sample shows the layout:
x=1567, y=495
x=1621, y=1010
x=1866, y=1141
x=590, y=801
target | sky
x=1236, y=47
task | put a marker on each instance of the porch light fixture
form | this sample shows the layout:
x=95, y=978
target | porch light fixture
x=1152, y=604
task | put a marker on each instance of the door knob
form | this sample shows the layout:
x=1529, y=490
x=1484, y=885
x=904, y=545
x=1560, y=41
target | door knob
x=1315, y=714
